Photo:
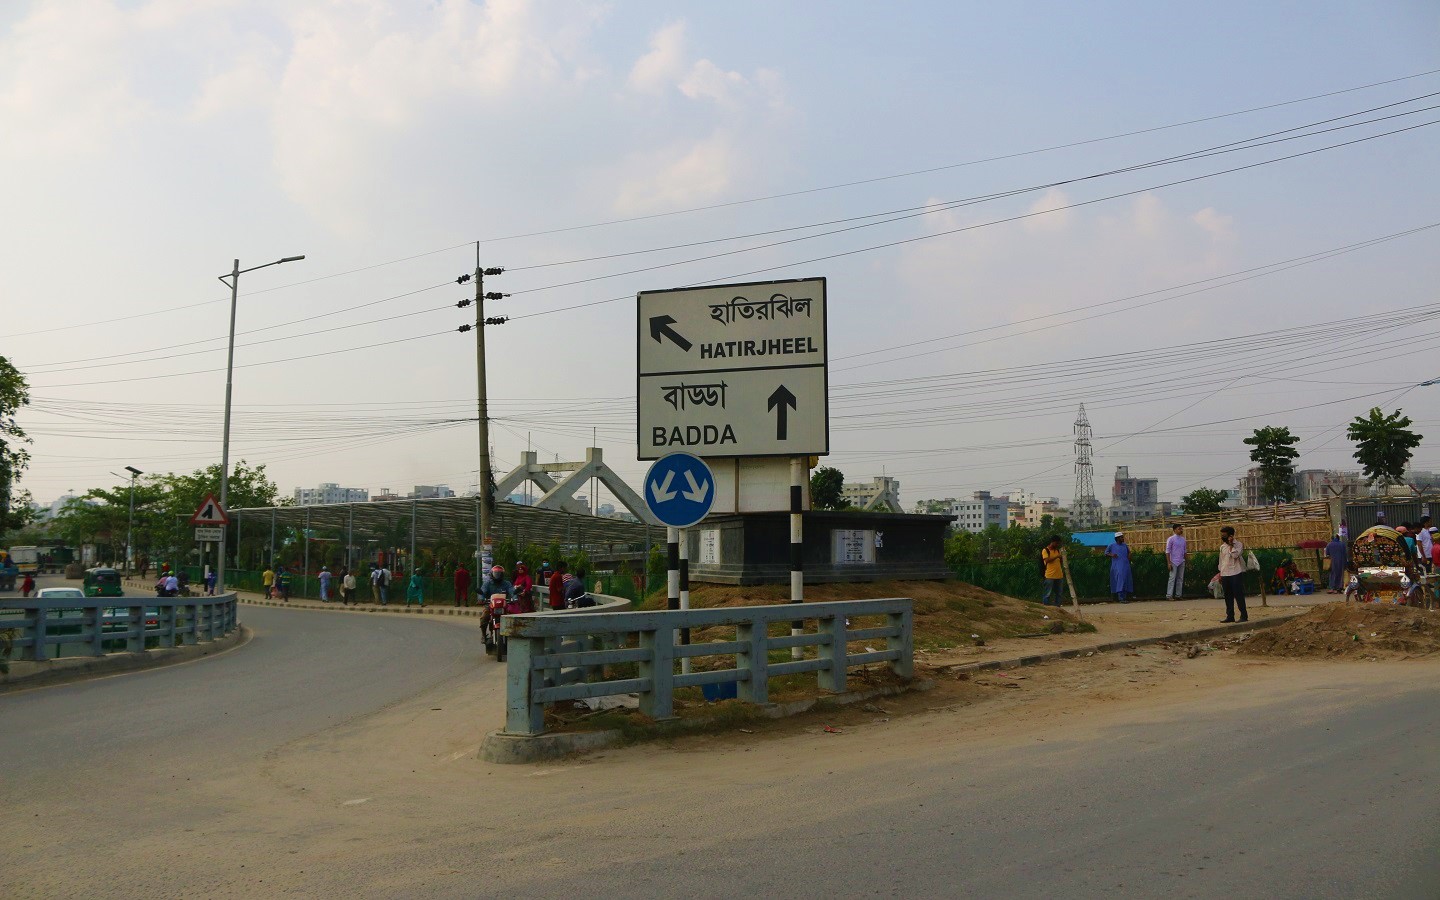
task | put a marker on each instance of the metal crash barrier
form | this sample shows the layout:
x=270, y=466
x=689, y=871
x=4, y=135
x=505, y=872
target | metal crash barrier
x=562, y=657
x=93, y=626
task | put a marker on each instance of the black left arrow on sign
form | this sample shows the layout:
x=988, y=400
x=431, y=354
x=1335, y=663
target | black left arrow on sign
x=782, y=401
x=660, y=327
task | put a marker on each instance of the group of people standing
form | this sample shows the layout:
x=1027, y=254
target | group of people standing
x=1232, y=566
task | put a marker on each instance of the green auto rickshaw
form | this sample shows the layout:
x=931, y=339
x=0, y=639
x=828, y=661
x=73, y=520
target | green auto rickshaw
x=103, y=582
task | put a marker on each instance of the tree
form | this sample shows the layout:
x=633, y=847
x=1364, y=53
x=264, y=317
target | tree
x=1383, y=445
x=1202, y=500
x=14, y=458
x=1274, y=451
x=163, y=507
x=826, y=485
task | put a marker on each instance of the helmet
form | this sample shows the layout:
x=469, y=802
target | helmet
x=497, y=570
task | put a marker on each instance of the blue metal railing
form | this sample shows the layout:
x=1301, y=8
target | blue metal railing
x=563, y=657
x=41, y=629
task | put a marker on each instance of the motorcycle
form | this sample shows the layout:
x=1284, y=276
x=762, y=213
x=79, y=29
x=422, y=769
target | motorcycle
x=490, y=626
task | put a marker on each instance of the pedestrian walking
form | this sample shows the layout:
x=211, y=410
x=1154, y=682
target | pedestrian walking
x=211, y=578
x=1232, y=575
x=27, y=585
x=384, y=585
x=267, y=580
x=374, y=583
x=415, y=590
x=1426, y=542
x=325, y=577
x=1122, y=577
x=347, y=587
x=1175, y=553
x=524, y=586
x=557, y=586
x=1339, y=555
x=462, y=585
x=282, y=583
x=1054, y=572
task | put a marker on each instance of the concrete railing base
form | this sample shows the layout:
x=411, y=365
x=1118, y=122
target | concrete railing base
x=508, y=749
x=26, y=674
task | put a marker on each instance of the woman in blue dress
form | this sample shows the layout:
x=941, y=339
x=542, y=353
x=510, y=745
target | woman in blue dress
x=1122, y=580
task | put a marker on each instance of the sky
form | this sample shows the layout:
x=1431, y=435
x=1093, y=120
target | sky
x=595, y=150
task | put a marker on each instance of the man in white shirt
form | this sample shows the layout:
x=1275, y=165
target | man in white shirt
x=1175, y=557
x=1426, y=541
x=1232, y=574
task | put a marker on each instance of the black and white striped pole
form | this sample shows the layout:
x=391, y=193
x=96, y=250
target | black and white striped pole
x=672, y=565
x=685, y=593
x=797, y=543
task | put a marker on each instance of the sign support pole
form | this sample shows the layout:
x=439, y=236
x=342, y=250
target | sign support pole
x=684, y=590
x=797, y=543
x=672, y=575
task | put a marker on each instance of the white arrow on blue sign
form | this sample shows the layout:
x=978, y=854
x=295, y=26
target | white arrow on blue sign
x=679, y=489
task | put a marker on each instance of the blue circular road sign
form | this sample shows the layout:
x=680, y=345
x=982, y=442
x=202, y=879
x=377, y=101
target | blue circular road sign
x=679, y=489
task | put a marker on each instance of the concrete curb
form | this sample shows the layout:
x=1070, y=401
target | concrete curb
x=516, y=749
x=1201, y=634
x=471, y=611
x=336, y=605
x=25, y=675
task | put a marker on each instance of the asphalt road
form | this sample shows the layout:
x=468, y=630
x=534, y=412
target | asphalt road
x=103, y=750
x=303, y=764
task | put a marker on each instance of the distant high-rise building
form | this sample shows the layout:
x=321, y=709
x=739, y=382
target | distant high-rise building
x=981, y=511
x=330, y=492
x=880, y=494
x=1133, y=498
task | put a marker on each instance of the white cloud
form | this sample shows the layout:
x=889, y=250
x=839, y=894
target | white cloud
x=1216, y=224
x=684, y=174
x=995, y=274
x=664, y=64
x=1053, y=216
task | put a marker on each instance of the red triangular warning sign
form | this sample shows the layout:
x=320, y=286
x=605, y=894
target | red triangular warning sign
x=210, y=513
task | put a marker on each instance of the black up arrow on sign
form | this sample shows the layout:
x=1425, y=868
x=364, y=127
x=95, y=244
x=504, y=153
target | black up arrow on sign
x=779, y=401
x=660, y=327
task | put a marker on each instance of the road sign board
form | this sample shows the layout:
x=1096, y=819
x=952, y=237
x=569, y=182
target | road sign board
x=210, y=513
x=679, y=489
x=209, y=534
x=734, y=370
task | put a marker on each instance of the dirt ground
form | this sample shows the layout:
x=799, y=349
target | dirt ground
x=947, y=613
x=1353, y=631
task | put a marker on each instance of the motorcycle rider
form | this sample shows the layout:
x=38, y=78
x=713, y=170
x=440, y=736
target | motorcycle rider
x=494, y=583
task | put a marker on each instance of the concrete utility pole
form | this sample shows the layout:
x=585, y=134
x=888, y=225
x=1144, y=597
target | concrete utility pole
x=481, y=407
x=234, y=285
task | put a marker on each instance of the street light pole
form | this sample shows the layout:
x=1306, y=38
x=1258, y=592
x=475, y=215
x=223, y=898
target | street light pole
x=234, y=285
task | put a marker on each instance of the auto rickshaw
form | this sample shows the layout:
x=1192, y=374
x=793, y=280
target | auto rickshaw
x=1384, y=571
x=103, y=582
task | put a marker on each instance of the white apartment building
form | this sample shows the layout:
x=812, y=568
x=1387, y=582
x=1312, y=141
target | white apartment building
x=976, y=514
x=329, y=492
x=881, y=494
